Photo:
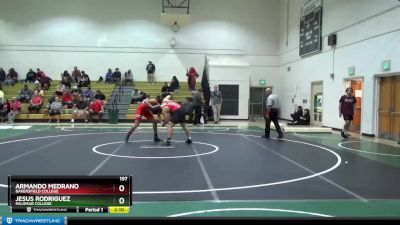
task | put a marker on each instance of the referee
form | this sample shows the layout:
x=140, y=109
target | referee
x=271, y=114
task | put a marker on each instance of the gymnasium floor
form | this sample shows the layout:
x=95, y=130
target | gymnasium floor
x=229, y=171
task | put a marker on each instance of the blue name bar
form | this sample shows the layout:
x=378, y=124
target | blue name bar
x=17, y=220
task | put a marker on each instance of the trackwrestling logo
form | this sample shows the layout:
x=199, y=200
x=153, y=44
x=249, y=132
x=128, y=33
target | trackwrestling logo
x=35, y=220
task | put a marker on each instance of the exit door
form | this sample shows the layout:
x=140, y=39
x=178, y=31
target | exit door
x=389, y=107
x=357, y=86
x=257, y=102
x=316, y=103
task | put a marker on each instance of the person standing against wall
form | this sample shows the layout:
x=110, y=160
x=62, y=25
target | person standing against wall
x=151, y=69
x=272, y=114
x=347, y=103
x=216, y=102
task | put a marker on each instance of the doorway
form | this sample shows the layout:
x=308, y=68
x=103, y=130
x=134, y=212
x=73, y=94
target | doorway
x=231, y=99
x=257, y=102
x=357, y=85
x=389, y=107
x=316, y=103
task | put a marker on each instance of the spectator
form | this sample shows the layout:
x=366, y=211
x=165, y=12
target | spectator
x=15, y=109
x=304, y=119
x=4, y=110
x=30, y=76
x=296, y=115
x=96, y=108
x=55, y=109
x=1, y=95
x=25, y=94
x=174, y=84
x=85, y=80
x=81, y=109
x=65, y=81
x=109, y=76
x=188, y=107
x=99, y=95
x=67, y=99
x=39, y=90
x=76, y=95
x=68, y=76
x=88, y=94
x=76, y=75
x=36, y=103
x=3, y=76
x=50, y=101
x=60, y=89
x=137, y=96
x=165, y=90
x=116, y=76
x=39, y=74
x=12, y=77
x=198, y=104
x=192, y=75
x=3, y=113
x=216, y=102
x=53, y=99
x=45, y=82
x=128, y=76
x=151, y=69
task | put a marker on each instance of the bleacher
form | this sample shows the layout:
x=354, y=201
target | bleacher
x=155, y=90
x=107, y=89
x=10, y=92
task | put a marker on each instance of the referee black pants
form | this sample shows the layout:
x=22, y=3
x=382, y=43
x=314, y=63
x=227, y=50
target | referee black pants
x=274, y=118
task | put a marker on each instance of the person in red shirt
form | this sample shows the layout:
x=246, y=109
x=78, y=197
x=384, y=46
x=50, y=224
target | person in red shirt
x=96, y=108
x=146, y=109
x=192, y=75
x=15, y=107
x=347, y=103
x=39, y=74
x=36, y=103
x=174, y=113
x=45, y=82
x=67, y=99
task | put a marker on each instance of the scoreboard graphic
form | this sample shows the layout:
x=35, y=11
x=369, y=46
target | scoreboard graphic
x=75, y=194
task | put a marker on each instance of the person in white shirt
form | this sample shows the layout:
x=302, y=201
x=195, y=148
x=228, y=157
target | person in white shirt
x=272, y=114
x=216, y=102
x=1, y=95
